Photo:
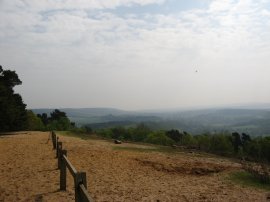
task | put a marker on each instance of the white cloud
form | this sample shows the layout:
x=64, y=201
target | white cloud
x=48, y=5
x=142, y=58
x=220, y=5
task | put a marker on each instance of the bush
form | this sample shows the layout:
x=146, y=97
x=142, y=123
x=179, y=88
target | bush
x=140, y=133
x=78, y=130
x=62, y=124
x=118, y=133
x=34, y=122
x=221, y=144
x=189, y=141
x=203, y=142
x=175, y=135
x=159, y=138
x=265, y=148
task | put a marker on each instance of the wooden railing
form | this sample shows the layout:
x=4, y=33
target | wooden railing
x=80, y=183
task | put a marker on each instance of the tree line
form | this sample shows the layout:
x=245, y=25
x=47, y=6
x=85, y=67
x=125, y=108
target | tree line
x=237, y=145
x=13, y=113
x=57, y=120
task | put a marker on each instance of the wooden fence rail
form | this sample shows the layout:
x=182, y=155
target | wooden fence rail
x=80, y=183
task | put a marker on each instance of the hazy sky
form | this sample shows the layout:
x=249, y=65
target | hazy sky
x=137, y=54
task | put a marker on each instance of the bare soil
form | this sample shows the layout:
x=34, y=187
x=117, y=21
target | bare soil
x=28, y=172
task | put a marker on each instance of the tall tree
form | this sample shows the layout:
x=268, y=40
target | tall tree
x=175, y=135
x=44, y=118
x=13, y=114
x=236, y=141
x=57, y=115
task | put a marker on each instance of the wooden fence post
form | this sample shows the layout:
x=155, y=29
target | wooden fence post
x=63, y=171
x=80, y=178
x=57, y=139
x=52, y=136
x=80, y=182
x=54, y=140
x=59, y=151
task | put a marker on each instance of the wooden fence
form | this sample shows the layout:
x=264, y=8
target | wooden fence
x=80, y=184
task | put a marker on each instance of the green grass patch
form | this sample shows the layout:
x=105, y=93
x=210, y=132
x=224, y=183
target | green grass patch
x=167, y=149
x=246, y=179
x=135, y=149
x=78, y=135
x=145, y=149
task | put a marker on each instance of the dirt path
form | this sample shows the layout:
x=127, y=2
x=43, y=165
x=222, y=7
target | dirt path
x=126, y=175
x=28, y=173
x=28, y=169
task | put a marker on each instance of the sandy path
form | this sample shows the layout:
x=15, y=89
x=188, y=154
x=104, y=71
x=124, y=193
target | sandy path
x=28, y=173
x=28, y=169
x=121, y=175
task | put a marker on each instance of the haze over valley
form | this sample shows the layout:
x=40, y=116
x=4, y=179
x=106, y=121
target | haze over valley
x=252, y=119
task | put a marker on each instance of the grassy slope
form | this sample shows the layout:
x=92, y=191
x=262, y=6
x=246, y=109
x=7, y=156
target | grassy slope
x=246, y=179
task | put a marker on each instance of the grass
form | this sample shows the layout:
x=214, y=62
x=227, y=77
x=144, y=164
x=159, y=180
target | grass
x=168, y=150
x=78, y=135
x=136, y=149
x=246, y=179
x=152, y=148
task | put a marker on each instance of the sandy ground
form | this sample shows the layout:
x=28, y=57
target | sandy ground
x=28, y=169
x=28, y=173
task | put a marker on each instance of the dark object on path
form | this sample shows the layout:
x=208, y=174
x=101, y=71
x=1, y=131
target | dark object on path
x=39, y=198
x=268, y=196
x=117, y=142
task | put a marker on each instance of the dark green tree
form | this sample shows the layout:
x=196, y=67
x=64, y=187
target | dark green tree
x=253, y=149
x=175, y=135
x=140, y=132
x=57, y=120
x=34, y=122
x=245, y=140
x=265, y=148
x=44, y=118
x=13, y=116
x=118, y=132
x=159, y=137
x=57, y=115
x=236, y=141
x=203, y=142
x=221, y=144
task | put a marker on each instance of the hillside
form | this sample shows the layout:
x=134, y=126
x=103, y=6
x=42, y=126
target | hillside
x=255, y=121
x=129, y=172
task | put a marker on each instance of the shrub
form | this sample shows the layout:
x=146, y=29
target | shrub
x=140, y=133
x=221, y=144
x=34, y=122
x=159, y=138
x=189, y=141
x=203, y=142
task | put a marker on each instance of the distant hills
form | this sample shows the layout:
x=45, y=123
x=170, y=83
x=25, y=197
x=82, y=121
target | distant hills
x=255, y=121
